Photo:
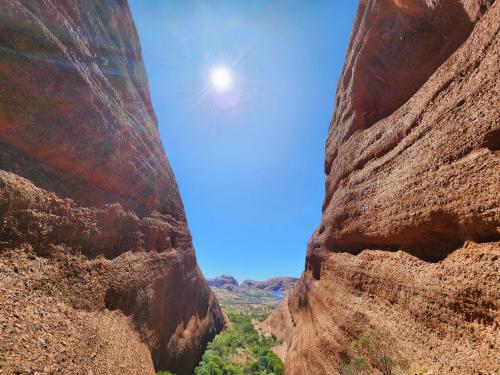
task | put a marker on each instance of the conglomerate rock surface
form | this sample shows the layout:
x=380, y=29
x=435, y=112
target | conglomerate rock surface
x=409, y=236
x=98, y=273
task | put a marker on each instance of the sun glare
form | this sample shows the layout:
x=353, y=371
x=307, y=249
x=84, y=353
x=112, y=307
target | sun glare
x=221, y=78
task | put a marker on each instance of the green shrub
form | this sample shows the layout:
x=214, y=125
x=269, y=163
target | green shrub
x=357, y=366
x=375, y=350
x=240, y=350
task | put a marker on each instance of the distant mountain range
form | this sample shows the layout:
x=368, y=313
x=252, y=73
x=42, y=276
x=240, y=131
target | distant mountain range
x=275, y=284
x=252, y=297
x=223, y=281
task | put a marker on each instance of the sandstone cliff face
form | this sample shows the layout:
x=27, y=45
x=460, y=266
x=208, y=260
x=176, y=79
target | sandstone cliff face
x=98, y=271
x=412, y=174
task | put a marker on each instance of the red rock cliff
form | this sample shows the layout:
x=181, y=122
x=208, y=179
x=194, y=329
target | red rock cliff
x=410, y=217
x=98, y=271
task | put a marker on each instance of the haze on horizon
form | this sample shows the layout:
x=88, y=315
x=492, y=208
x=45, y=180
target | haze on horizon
x=243, y=107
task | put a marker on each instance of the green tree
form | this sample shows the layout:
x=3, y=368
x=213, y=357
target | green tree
x=240, y=350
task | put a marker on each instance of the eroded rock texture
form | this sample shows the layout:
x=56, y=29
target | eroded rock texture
x=97, y=269
x=412, y=169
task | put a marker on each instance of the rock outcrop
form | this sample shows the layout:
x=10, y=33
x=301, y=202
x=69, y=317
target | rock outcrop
x=223, y=281
x=98, y=271
x=409, y=236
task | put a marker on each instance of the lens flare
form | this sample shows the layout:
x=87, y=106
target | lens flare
x=221, y=78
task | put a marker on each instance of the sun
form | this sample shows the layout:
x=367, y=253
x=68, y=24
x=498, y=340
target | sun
x=221, y=78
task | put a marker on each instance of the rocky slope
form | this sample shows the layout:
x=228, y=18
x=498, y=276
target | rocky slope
x=410, y=217
x=97, y=268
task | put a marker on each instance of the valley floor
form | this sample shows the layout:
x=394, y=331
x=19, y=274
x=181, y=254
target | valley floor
x=240, y=350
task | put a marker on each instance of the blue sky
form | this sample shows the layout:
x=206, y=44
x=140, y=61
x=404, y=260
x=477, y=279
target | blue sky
x=248, y=160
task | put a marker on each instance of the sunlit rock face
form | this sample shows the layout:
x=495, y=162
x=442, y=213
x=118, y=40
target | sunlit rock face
x=412, y=175
x=407, y=157
x=89, y=205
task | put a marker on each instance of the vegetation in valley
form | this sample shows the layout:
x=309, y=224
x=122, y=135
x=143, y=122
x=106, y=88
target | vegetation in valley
x=375, y=352
x=240, y=350
x=256, y=303
x=254, y=311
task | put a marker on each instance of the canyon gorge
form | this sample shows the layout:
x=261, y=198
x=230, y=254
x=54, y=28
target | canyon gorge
x=98, y=272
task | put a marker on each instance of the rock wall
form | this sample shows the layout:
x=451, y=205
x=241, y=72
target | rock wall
x=409, y=235
x=98, y=270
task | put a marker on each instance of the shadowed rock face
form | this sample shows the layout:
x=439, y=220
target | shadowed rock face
x=93, y=232
x=412, y=164
x=75, y=99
